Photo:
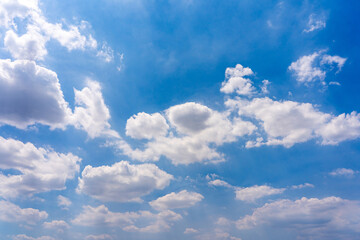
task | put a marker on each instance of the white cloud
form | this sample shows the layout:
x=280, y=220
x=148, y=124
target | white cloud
x=58, y=225
x=250, y=194
x=195, y=128
x=343, y=172
x=99, y=237
x=235, y=81
x=10, y=212
x=219, y=183
x=106, y=53
x=182, y=199
x=264, y=87
x=102, y=216
x=91, y=114
x=313, y=217
x=25, y=237
x=190, y=231
x=41, y=169
x=30, y=46
x=122, y=182
x=305, y=185
x=341, y=128
x=312, y=67
x=315, y=23
x=31, y=94
x=148, y=126
x=285, y=122
x=63, y=201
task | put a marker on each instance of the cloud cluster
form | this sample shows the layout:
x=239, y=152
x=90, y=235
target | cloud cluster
x=307, y=217
x=31, y=45
x=40, y=169
x=102, y=216
x=193, y=130
x=182, y=199
x=10, y=212
x=122, y=182
x=250, y=194
x=312, y=68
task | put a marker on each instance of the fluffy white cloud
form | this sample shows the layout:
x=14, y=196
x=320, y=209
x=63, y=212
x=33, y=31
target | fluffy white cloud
x=63, y=201
x=235, y=81
x=195, y=128
x=182, y=199
x=148, y=126
x=25, y=237
x=40, y=169
x=312, y=67
x=58, y=225
x=340, y=128
x=285, y=122
x=315, y=23
x=92, y=114
x=10, y=212
x=343, y=172
x=122, y=182
x=311, y=217
x=31, y=94
x=102, y=216
x=219, y=183
x=99, y=237
x=31, y=45
x=250, y=194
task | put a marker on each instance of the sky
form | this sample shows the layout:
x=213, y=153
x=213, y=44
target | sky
x=179, y=119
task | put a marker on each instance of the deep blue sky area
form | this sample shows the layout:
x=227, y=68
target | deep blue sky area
x=221, y=120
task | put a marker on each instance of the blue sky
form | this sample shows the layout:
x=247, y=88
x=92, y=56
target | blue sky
x=219, y=120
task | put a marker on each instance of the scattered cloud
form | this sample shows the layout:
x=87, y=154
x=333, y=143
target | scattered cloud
x=315, y=23
x=190, y=231
x=308, y=217
x=146, y=126
x=59, y=225
x=300, y=186
x=10, y=212
x=343, y=172
x=219, y=183
x=25, y=237
x=122, y=182
x=182, y=199
x=99, y=237
x=235, y=81
x=40, y=169
x=102, y=216
x=312, y=68
x=63, y=201
x=250, y=194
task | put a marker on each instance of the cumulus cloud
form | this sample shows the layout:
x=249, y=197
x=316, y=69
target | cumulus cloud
x=99, y=237
x=122, y=182
x=102, y=216
x=235, y=81
x=58, y=225
x=146, y=126
x=31, y=45
x=343, y=172
x=25, y=237
x=31, y=94
x=219, y=183
x=91, y=114
x=340, y=128
x=250, y=194
x=190, y=231
x=10, y=212
x=63, y=201
x=40, y=169
x=300, y=186
x=313, y=217
x=315, y=23
x=312, y=68
x=195, y=128
x=182, y=199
